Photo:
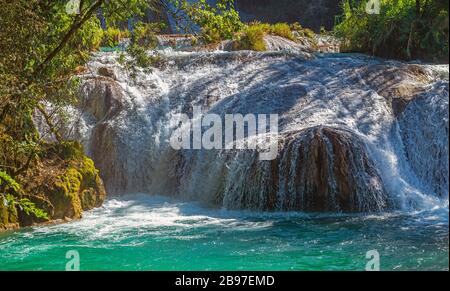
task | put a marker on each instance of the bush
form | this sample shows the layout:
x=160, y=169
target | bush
x=217, y=22
x=303, y=32
x=90, y=37
x=144, y=34
x=251, y=38
x=283, y=30
x=112, y=36
x=405, y=29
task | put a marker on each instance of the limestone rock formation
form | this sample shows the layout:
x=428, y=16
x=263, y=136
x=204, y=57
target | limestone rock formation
x=424, y=126
x=346, y=122
x=317, y=169
x=64, y=184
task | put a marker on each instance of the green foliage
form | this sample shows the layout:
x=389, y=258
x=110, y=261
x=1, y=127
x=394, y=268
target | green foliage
x=11, y=193
x=41, y=48
x=217, y=22
x=140, y=57
x=404, y=29
x=251, y=38
x=296, y=26
x=309, y=33
x=283, y=30
x=120, y=11
x=302, y=32
x=112, y=36
x=28, y=207
x=143, y=39
x=89, y=37
x=144, y=34
x=6, y=182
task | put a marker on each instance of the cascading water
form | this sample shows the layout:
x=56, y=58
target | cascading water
x=345, y=143
x=356, y=134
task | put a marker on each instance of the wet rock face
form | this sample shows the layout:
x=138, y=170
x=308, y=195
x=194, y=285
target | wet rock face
x=64, y=184
x=424, y=126
x=333, y=173
x=102, y=97
x=105, y=151
x=398, y=83
x=103, y=100
x=317, y=169
x=311, y=14
x=338, y=138
x=8, y=217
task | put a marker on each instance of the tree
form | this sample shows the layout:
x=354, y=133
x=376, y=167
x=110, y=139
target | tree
x=406, y=29
x=41, y=46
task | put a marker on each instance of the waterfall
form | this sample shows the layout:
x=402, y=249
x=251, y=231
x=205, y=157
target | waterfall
x=355, y=133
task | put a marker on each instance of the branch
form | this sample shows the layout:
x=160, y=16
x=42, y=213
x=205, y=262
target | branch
x=49, y=122
x=68, y=36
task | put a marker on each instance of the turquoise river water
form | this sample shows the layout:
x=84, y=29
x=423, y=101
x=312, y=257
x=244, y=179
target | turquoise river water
x=141, y=232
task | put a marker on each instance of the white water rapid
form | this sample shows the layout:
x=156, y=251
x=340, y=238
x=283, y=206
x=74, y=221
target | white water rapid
x=356, y=133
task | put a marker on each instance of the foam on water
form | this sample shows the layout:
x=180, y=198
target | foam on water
x=326, y=91
x=141, y=232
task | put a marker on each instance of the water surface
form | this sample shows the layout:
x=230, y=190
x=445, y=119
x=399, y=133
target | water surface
x=142, y=232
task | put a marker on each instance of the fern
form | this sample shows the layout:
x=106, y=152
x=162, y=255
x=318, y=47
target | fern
x=8, y=184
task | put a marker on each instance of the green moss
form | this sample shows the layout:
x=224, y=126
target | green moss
x=79, y=188
x=8, y=215
x=92, y=191
x=66, y=199
x=67, y=150
x=88, y=172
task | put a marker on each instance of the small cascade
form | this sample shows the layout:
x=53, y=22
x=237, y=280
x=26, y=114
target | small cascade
x=356, y=134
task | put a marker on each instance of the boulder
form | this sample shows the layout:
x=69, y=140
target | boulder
x=317, y=169
x=106, y=72
x=64, y=183
x=103, y=98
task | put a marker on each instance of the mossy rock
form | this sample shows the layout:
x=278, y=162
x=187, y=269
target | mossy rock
x=92, y=189
x=79, y=188
x=65, y=195
x=67, y=150
x=8, y=216
x=63, y=183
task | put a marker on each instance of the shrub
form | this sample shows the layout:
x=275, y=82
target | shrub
x=405, y=29
x=90, y=37
x=309, y=33
x=303, y=32
x=144, y=34
x=283, y=30
x=217, y=22
x=296, y=26
x=251, y=38
x=113, y=35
